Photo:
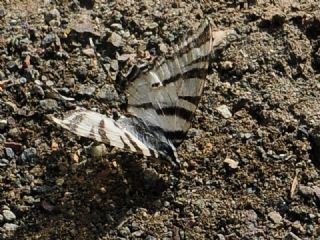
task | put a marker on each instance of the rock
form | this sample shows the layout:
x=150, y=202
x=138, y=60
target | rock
x=138, y=233
x=8, y=215
x=231, y=163
x=275, y=217
x=224, y=111
x=306, y=191
x=54, y=14
x=86, y=90
x=163, y=48
x=109, y=94
x=115, y=39
x=10, y=227
x=9, y=153
x=48, y=104
x=89, y=52
x=149, y=237
x=48, y=40
x=98, y=151
x=3, y=162
x=29, y=154
x=3, y=124
x=226, y=65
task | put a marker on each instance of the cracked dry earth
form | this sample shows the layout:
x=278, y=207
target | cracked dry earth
x=250, y=163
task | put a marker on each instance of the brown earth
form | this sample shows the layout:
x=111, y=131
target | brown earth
x=252, y=175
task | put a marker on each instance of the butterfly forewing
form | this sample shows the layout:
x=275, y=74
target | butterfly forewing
x=167, y=96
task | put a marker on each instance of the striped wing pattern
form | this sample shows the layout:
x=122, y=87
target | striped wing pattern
x=98, y=127
x=161, y=102
x=168, y=95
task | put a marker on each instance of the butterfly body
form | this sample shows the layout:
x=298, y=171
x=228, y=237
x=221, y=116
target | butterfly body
x=161, y=102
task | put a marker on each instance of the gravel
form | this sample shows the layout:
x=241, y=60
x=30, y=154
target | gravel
x=250, y=164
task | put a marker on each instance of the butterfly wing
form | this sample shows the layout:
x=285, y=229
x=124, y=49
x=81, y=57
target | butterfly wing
x=168, y=95
x=98, y=127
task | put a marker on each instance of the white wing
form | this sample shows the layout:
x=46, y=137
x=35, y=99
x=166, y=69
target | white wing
x=168, y=95
x=103, y=129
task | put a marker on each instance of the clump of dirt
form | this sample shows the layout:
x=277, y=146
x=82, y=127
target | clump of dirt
x=250, y=162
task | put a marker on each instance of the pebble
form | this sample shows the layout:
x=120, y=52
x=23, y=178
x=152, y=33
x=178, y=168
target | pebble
x=9, y=153
x=29, y=154
x=275, y=217
x=4, y=162
x=149, y=237
x=48, y=40
x=54, y=14
x=49, y=104
x=224, y=111
x=231, y=163
x=8, y=215
x=89, y=52
x=115, y=39
x=226, y=65
x=1, y=218
x=306, y=191
x=108, y=93
x=137, y=233
x=3, y=124
x=86, y=90
x=291, y=236
x=10, y=227
x=98, y=151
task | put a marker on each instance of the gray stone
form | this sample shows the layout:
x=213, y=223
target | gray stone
x=306, y=191
x=115, y=39
x=49, y=104
x=98, y=151
x=9, y=153
x=86, y=90
x=29, y=154
x=8, y=215
x=224, y=111
x=10, y=227
x=275, y=217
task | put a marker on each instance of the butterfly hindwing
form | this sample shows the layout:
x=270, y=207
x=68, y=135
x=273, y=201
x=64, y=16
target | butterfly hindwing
x=103, y=129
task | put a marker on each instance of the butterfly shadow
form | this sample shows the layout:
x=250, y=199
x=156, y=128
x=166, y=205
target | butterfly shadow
x=92, y=200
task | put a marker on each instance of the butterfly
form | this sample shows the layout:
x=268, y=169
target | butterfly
x=161, y=102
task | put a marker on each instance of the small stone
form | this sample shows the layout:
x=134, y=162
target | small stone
x=89, y=52
x=10, y=153
x=220, y=237
x=226, y=65
x=8, y=215
x=163, y=48
x=54, y=14
x=86, y=90
x=231, y=163
x=98, y=151
x=108, y=93
x=29, y=154
x=316, y=191
x=3, y=124
x=306, y=191
x=125, y=231
x=138, y=233
x=1, y=218
x=224, y=111
x=60, y=181
x=275, y=217
x=3, y=162
x=149, y=237
x=69, y=82
x=10, y=227
x=48, y=40
x=115, y=39
x=49, y=104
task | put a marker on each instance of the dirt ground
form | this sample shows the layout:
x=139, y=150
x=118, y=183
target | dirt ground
x=250, y=163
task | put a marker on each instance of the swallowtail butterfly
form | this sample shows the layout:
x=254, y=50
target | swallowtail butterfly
x=161, y=102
